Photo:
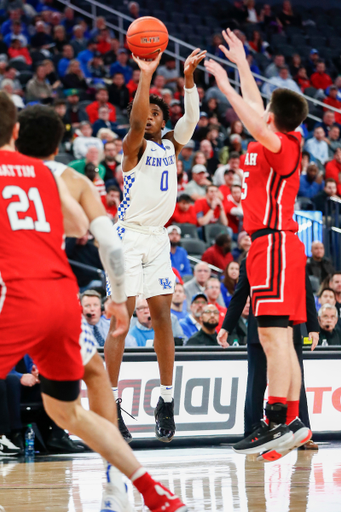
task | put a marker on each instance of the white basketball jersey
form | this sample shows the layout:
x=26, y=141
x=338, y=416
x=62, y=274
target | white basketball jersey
x=150, y=189
x=56, y=167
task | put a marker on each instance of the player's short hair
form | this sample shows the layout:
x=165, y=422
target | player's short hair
x=91, y=293
x=155, y=100
x=8, y=115
x=41, y=131
x=289, y=109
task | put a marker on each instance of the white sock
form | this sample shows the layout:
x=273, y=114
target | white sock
x=115, y=390
x=139, y=472
x=166, y=393
x=113, y=476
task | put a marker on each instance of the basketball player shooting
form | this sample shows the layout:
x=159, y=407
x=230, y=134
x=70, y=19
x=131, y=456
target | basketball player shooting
x=150, y=190
x=276, y=261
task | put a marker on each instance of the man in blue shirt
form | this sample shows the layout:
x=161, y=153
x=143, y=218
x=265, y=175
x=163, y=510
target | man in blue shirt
x=179, y=257
x=178, y=299
x=121, y=65
x=142, y=334
x=85, y=56
x=311, y=183
x=64, y=62
x=192, y=323
x=92, y=311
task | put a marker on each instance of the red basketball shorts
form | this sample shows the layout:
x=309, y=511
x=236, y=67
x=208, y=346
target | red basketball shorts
x=276, y=271
x=41, y=318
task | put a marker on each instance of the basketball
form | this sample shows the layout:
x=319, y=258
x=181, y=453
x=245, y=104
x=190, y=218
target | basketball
x=146, y=37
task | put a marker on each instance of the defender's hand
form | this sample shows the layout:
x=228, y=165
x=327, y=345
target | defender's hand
x=222, y=338
x=119, y=311
x=148, y=66
x=193, y=61
x=314, y=337
x=236, y=52
x=219, y=74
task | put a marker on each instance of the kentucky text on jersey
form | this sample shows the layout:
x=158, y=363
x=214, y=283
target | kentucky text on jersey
x=158, y=162
x=22, y=171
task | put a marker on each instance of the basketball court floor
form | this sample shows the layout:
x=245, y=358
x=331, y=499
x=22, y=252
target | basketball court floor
x=207, y=479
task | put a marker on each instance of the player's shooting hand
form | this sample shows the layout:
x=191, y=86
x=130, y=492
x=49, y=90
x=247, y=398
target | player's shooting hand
x=222, y=338
x=148, y=66
x=236, y=52
x=28, y=380
x=193, y=61
x=219, y=74
x=119, y=311
x=314, y=338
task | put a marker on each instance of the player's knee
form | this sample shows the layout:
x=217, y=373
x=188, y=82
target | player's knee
x=62, y=413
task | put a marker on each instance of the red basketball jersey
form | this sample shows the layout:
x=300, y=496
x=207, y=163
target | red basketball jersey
x=270, y=185
x=32, y=233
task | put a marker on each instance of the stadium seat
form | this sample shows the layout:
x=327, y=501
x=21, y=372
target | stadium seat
x=188, y=231
x=278, y=40
x=211, y=231
x=203, y=31
x=194, y=20
x=161, y=15
x=193, y=247
x=317, y=41
x=176, y=17
x=19, y=65
x=298, y=40
x=310, y=91
x=195, y=40
x=24, y=77
x=335, y=42
x=305, y=203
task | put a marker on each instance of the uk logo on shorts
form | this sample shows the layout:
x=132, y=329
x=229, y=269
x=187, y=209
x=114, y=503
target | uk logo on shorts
x=165, y=283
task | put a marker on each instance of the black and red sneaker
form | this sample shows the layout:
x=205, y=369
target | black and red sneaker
x=264, y=438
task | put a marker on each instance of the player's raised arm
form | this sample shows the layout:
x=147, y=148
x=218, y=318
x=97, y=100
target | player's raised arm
x=134, y=141
x=252, y=120
x=185, y=127
x=75, y=221
x=236, y=54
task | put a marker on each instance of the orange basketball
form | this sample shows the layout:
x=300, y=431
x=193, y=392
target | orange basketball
x=146, y=37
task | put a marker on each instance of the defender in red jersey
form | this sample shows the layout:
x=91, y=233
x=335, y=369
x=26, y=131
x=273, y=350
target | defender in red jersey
x=276, y=260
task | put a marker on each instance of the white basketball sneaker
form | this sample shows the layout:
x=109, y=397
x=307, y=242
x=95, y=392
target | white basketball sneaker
x=7, y=447
x=115, y=495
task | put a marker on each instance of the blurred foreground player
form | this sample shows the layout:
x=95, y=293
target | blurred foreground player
x=37, y=280
x=276, y=260
x=150, y=190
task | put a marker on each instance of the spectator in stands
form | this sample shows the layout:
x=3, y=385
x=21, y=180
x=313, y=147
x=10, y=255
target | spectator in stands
x=287, y=16
x=74, y=77
x=243, y=246
x=327, y=122
x=182, y=177
x=10, y=73
x=283, y=81
x=78, y=42
x=91, y=302
x=38, y=88
x=268, y=20
x=202, y=128
x=333, y=141
x=103, y=121
x=75, y=114
x=102, y=98
x=207, y=335
x=333, y=169
x=210, y=208
x=96, y=67
x=219, y=254
x=214, y=49
x=16, y=33
x=233, y=208
x=121, y=65
x=196, y=188
x=178, y=299
x=142, y=334
x=320, y=79
x=51, y=74
x=169, y=72
x=184, y=212
x=302, y=79
x=305, y=161
x=85, y=140
x=335, y=284
x=311, y=183
x=69, y=20
x=64, y=62
x=118, y=92
x=41, y=40
x=212, y=290
x=317, y=146
x=92, y=157
x=167, y=96
x=295, y=65
x=86, y=56
x=326, y=296
x=7, y=85
x=91, y=172
x=103, y=41
x=332, y=101
x=110, y=162
x=59, y=39
x=18, y=51
x=157, y=87
x=111, y=201
x=229, y=281
x=59, y=106
x=273, y=69
x=186, y=156
x=232, y=170
x=256, y=44
x=133, y=83
x=318, y=265
x=314, y=58
x=134, y=10
x=330, y=334
x=197, y=284
x=192, y=322
x=178, y=254
x=330, y=190
x=211, y=161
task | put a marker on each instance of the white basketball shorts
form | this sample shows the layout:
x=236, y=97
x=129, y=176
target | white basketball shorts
x=147, y=263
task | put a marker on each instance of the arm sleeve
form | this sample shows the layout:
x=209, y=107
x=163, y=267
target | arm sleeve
x=312, y=322
x=185, y=127
x=111, y=254
x=238, y=300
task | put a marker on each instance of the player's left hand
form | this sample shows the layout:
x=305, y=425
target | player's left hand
x=193, y=61
x=219, y=74
x=119, y=311
x=314, y=337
